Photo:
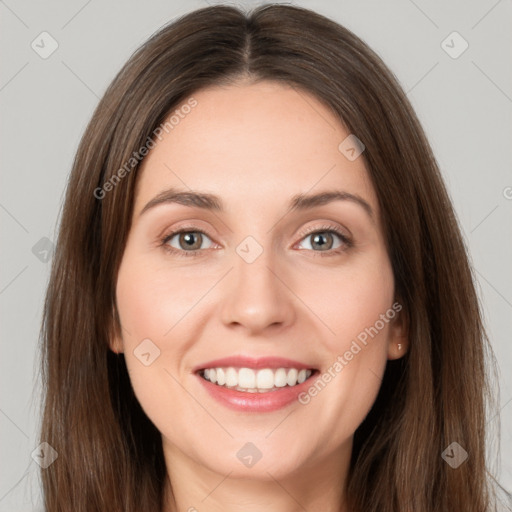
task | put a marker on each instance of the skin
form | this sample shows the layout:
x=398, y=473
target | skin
x=255, y=146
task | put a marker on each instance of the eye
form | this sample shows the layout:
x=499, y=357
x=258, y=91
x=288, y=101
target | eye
x=326, y=240
x=186, y=242
x=323, y=240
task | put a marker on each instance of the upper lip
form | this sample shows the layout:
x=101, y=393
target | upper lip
x=253, y=362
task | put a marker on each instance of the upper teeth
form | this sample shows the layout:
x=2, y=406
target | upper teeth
x=247, y=379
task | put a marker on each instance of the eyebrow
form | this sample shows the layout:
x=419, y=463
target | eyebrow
x=299, y=202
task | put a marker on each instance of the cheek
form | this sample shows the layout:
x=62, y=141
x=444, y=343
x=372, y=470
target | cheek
x=356, y=306
x=155, y=305
x=143, y=303
x=152, y=299
x=352, y=300
x=148, y=310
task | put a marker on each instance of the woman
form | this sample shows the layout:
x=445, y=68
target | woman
x=257, y=373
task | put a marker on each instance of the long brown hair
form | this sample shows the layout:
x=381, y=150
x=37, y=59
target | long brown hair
x=110, y=454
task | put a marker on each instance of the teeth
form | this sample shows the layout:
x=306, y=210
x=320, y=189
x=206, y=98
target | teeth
x=256, y=381
x=231, y=377
x=265, y=379
x=291, y=378
x=280, y=378
x=246, y=378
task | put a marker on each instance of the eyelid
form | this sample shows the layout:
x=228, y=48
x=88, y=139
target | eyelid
x=325, y=227
x=346, y=240
x=183, y=229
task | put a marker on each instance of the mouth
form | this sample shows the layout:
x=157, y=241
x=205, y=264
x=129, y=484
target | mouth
x=249, y=380
x=255, y=384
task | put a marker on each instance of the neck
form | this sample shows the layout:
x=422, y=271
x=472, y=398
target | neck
x=194, y=488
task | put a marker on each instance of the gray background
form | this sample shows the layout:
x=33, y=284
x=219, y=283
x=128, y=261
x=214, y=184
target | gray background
x=464, y=103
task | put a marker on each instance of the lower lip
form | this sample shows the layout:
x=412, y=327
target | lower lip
x=255, y=402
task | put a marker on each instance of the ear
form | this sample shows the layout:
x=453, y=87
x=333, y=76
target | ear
x=398, y=343
x=116, y=345
x=115, y=338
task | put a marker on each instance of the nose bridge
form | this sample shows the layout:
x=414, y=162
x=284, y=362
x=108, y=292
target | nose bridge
x=257, y=296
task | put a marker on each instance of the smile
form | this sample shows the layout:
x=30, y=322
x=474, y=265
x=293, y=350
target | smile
x=248, y=380
x=255, y=384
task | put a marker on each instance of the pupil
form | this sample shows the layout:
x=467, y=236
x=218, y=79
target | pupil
x=317, y=240
x=189, y=239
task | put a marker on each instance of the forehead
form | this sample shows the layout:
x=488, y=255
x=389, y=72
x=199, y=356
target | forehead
x=262, y=140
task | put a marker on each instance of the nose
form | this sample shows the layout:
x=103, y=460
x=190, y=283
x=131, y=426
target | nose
x=258, y=295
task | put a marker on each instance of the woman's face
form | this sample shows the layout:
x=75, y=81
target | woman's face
x=269, y=283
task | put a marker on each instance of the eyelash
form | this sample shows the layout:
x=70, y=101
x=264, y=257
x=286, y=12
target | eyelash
x=348, y=243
